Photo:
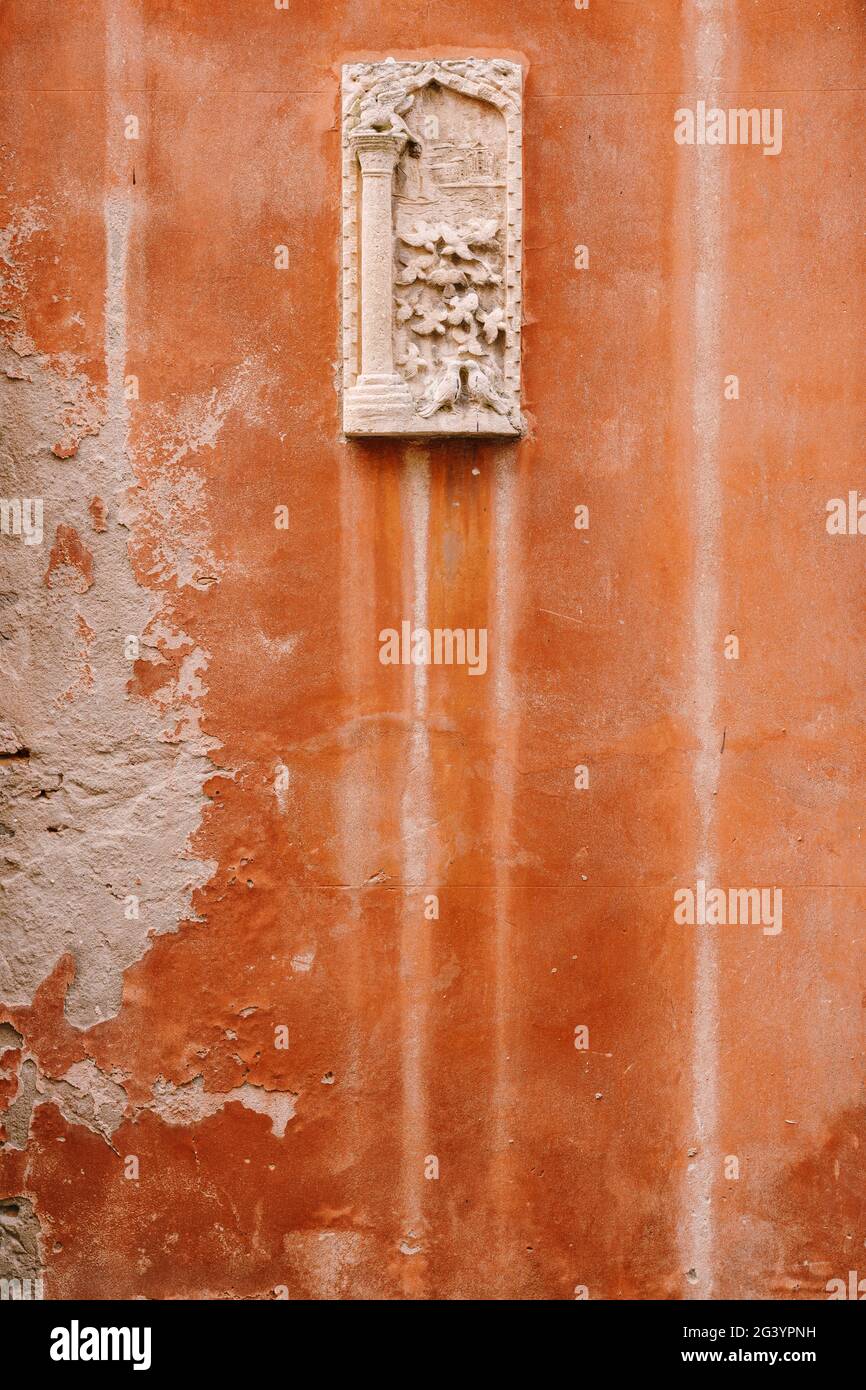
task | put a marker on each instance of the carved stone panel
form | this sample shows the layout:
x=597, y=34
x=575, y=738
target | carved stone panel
x=432, y=249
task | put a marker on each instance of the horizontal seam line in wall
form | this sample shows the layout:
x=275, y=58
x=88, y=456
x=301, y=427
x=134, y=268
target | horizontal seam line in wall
x=327, y=92
x=393, y=884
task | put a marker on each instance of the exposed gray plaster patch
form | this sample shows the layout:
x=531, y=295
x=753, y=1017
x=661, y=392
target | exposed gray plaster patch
x=20, y=1239
x=189, y=1103
x=101, y=811
x=16, y=1121
x=84, y=1095
x=9, y=1037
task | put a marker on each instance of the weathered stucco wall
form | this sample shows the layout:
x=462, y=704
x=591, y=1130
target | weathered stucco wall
x=227, y=836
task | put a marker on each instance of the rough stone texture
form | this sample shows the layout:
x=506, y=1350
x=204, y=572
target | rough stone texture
x=20, y=1256
x=282, y=1038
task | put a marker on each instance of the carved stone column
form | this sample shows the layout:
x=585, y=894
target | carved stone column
x=379, y=389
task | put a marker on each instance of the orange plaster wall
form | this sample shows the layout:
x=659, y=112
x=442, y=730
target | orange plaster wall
x=559, y=1168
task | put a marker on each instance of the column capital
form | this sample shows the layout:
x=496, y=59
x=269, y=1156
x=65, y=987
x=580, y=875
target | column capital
x=377, y=150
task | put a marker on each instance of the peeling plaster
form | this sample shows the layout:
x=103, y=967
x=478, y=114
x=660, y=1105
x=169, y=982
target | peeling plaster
x=84, y=1095
x=105, y=804
x=20, y=1239
x=187, y=1104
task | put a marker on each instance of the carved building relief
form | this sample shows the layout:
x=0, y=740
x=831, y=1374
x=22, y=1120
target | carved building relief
x=432, y=248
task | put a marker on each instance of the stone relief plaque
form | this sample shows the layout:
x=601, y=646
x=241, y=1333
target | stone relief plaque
x=432, y=249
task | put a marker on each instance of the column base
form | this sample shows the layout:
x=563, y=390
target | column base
x=378, y=403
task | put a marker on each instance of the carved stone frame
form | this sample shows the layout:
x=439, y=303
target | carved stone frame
x=378, y=403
